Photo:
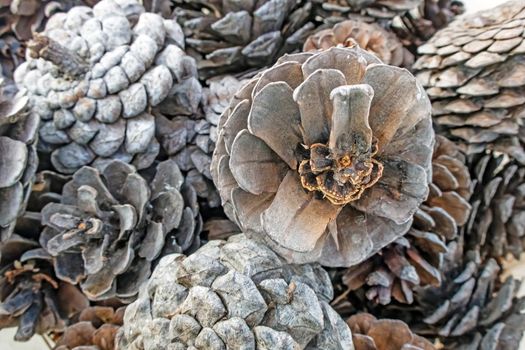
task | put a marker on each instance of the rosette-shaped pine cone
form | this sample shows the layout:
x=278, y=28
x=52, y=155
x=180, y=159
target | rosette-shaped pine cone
x=95, y=328
x=472, y=309
x=112, y=224
x=93, y=77
x=415, y=260
x=18, y=157
x=31, y=297
x=234, y=36
x=370, y=36
x=236, y=294
x=497, y=226
x=474, y=73
x=326, y=156
x=369, y=333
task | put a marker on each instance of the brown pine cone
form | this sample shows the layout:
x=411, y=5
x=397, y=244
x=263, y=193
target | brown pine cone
x=497, y=225
x=95, y=328
x=414, y=260
x=234, y=36
x=474, y=72
x=371, y=37
x=369, y=333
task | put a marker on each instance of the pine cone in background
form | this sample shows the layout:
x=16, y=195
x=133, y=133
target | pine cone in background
x=497, y=226
x=112, y=224
x=472, y=309
x=31, y=296
x=474, y=72
x=95, y=75
x=371, y=37
x=369, y=333
x=94, y=329
x=297, y=170
x=227, y=36
x=18, y=157
x=236, y=295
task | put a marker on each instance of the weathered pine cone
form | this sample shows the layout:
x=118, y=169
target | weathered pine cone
x=112, y=224
x=18, y=158
x=497, y=226
x=95, y=328
x=472, y=309
x=234, y=295
x=474, y=72
x=370, y=36
x=369, y=333
x=93, y=76
x=326, y=156
x=31, y=297
x=233, y=36
x=414, y=261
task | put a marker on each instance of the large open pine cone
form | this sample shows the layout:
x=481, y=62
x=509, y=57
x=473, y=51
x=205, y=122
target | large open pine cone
x=474, y=72
x=233, y=35
x=234, y=295
x=370, y=36
x=18, y=158
x=414, y=261
x=93, y=77
x=304, y=143
x=112, y=224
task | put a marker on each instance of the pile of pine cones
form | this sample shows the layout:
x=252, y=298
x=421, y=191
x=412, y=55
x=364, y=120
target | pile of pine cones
x=271, y=174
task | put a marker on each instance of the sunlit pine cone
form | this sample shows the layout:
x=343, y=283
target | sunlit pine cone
x=228, y=36
x=312, y=160
x=474, y=72
x=18, y=157
x=93, y=77
x=369, y=36
x=31, y=297
x=414, y=261
x=111, y=225
x=235, y=294
x=369, y=333
x=95, y=328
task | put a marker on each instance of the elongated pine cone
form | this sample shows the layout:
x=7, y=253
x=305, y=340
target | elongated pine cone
x=31, y=297
x=414, y=261
x=474, y=72
x=236, y=294
x=370, y=36
x=233, y=36
x=112, y=224
x=18, y=157
x=93, y=77
x=326, y=156
x=369, y=333
x=95, y=328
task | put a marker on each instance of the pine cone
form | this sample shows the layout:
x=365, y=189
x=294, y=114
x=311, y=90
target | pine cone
x=371, y=37
x=414, y=260
x=95, y=74
x=94, y=329
x=110, y=226
x=31, y=296
x=369, y=333
x=497, y=226
x=18, y=158
x=233, y=36
x=236, y=295
x=294, y=170
x=474, y=72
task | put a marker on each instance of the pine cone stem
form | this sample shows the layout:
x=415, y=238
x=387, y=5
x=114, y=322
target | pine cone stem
x=68, y=61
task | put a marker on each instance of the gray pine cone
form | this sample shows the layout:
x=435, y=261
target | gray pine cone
x=18, y=158
x=111, y=226
x=234, y=295
x=93, y=77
